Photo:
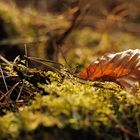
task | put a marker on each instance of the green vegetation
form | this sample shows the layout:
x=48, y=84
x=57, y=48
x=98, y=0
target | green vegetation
x=100, y=110
x=54, y=104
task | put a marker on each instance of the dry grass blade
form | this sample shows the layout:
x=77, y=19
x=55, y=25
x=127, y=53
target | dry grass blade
x=26, y=54
x=43, y=60
x=7, y=94
x=5, y=60
x=20, y=91
x=23, y=81
x=44, y=63
x=4, y=81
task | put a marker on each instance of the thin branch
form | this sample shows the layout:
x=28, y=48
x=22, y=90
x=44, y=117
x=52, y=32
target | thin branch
x=78, y=16
x=45, y=64
x=10, y=91
x=5, y=60
x=4, y=81
x=124, y=129
x=43, y=60
x=26, y=54
x=19, y=94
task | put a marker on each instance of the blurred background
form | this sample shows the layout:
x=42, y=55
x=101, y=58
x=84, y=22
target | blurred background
x=76, y=31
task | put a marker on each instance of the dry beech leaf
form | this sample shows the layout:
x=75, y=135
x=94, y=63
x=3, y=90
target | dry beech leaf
x=122, y=67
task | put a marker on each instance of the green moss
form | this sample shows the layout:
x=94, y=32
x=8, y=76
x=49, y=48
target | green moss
x=91, y=106
x=68, y=108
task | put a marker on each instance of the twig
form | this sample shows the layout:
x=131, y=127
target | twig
x=10, y=91
x=11, y=103
x=23, y=81
x=43, y=60
x=45, y=64
x=26, y=54
x=3, y=79
x=126, y=130
x=20, y=91
x=5, y=60
x=77, y=19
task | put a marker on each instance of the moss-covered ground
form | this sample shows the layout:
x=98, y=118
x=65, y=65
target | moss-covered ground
x=48, y=105
x=68, y=108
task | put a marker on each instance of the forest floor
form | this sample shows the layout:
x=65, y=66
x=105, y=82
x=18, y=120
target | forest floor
x=47, y=100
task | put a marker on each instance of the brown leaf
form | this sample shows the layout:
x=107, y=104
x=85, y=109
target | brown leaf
x=122, y=67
